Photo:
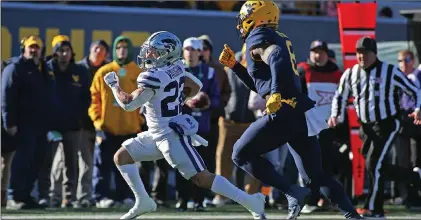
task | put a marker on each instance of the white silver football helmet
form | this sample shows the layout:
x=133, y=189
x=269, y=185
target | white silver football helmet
x=160, y=49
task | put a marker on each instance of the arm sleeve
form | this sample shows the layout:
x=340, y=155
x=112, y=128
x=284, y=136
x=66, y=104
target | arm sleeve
x=401, y=81
x=341, y=95
x=258, y=37
x=275, y=62
x=9, y=96
x=137, y=101
x=281, y=70
x=241, y=72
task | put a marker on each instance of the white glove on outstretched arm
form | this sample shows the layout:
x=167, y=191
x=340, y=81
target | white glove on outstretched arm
x=111, y=79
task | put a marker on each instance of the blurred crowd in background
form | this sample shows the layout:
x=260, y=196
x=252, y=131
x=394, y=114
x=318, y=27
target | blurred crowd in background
x=61, y=125
x=311, y=8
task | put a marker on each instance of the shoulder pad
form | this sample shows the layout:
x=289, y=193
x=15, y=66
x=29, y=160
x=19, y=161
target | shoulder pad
x=260, y=36
x=150, y=79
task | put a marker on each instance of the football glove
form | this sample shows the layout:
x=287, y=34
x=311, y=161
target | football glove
x=111, y=79
x=227, y=57
x=274, y=103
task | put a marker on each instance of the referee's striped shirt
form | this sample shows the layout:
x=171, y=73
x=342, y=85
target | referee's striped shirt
x=376, y=92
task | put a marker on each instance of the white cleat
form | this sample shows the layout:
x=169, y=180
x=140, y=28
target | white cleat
x=257, y=206
x=258, y=216
x=140, y=208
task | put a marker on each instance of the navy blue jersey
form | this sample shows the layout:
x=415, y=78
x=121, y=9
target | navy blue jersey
x=287, y=82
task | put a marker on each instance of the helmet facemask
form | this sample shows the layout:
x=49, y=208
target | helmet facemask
x=148, y=57
x=241, y=21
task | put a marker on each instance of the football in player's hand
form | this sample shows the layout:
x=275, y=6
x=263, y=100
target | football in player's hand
x=186, y=91
x=200, y=101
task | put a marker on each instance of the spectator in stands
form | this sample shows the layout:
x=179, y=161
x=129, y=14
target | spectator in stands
x=320, y=78
x=329, y=8
x=8, y=148
x=311, y=8
x=160, y=183
x=225, y=92
x=236, y=120
x=386, y=12
x=221, y=76
x=95, y=60
x=8, y=144
x=108, y=118
x=207, y=5
x=160, y=4
x=331, y=55
x=192, y=48
x=226, y=5
x=26, y=106
x=408, y=142
x=72, y=99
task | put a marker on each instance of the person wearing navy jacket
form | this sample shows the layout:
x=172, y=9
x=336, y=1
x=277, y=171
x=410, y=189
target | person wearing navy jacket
x=192, y=48
x=71, y=102
x=96, y=58
x=26, y=110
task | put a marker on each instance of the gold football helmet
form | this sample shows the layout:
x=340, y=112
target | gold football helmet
x=256, y=13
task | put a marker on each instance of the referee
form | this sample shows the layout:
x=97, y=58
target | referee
x=375, y=87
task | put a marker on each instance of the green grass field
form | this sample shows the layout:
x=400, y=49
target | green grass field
x=225, y=212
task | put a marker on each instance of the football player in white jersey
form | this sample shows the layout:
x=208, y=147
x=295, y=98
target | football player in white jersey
x=161, y=92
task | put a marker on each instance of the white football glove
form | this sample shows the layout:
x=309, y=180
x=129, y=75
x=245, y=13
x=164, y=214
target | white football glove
x=111, y=79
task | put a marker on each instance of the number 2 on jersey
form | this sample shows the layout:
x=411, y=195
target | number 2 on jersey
x=291, y=53
x=178, y=86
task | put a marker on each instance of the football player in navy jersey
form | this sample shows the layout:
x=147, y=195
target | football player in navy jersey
x=272, y=73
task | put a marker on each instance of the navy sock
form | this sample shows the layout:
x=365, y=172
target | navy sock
x=263, y=170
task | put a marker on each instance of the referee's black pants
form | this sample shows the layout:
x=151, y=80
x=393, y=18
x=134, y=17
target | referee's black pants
x=378, y=138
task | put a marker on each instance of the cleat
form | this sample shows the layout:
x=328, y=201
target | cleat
x=297, y=197
x=258, y=216
x=140, y=208
x=257, y=206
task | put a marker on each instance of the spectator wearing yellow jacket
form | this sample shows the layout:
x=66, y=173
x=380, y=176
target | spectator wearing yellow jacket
x=113, y=123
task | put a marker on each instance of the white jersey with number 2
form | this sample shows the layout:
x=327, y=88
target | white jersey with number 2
x=167, y=83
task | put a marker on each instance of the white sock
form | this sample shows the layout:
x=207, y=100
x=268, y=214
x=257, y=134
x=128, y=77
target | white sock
x=130, y=173
x=224, y=187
